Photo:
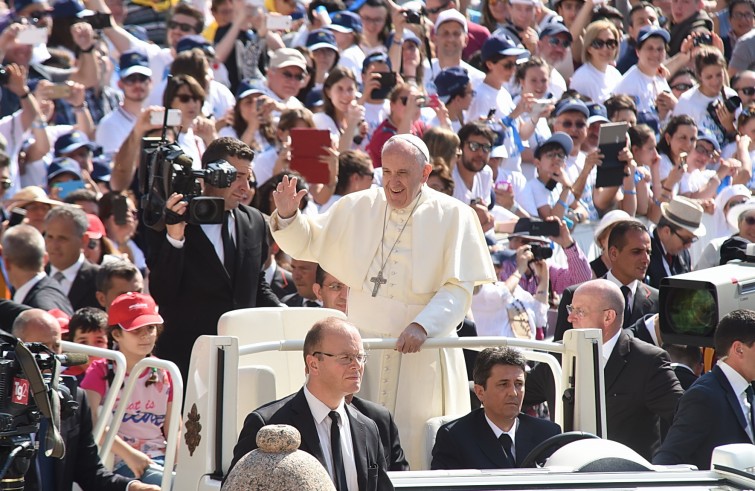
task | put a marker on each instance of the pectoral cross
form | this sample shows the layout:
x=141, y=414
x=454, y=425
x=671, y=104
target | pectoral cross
x=377, y=280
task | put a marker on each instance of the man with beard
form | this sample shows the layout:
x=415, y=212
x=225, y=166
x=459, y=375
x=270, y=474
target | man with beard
x=472, y=177
x=555, y=41
x=136, y=84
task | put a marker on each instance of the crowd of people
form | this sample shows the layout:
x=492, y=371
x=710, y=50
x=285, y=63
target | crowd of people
x=487, y=166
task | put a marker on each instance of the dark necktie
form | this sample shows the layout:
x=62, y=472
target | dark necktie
x=506, y=443
x=749, y=393
x=627, y=310
x=311, y=303
x=229, y=249
x=339, y=473
x=670, y=261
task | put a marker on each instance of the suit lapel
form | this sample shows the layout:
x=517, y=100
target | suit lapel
x=243, y=234
x=731, y=397
x=359, y=440
x=306, y=426
x=489, y=444
x=617, y=361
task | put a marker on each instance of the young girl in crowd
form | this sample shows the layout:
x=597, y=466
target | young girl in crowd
x=534, y=76
x=133, y=322
x=679, y=136
x=341, y=116
x=252, y=122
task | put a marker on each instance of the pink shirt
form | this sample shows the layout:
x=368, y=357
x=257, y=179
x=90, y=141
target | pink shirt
x=143, y=420
x=578, y=271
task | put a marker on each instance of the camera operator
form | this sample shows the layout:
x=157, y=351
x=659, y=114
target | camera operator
x=199, y=272
x=577, y=268
x=81, y=463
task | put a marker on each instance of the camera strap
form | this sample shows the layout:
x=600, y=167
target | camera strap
x=48, y=402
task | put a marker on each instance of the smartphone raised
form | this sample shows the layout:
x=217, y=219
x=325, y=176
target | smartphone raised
x=542, y=227
x=60, y=91
x=97, y=20
x=387, y=83
x=67, y=187
x=174, y=117
x=32, y=36
x=120, y=210
x=279, y=22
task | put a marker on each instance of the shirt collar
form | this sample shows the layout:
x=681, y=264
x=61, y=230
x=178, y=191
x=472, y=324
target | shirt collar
x=632, y=286
x=737, y=381
x=71, y=271
x=610, y=344
x=24, y=289
x=498, y=432
x=320, y=410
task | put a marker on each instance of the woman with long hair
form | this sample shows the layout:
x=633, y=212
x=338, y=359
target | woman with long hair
x=376, y=26
x=252, y=120
x=597, y=77
x=186, y=94
x=494, y=14
x=677, y=140
x=342, y=116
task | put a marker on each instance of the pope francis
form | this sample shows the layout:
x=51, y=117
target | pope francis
x=411, y=257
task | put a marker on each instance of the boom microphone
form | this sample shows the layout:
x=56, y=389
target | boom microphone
x=72, y=359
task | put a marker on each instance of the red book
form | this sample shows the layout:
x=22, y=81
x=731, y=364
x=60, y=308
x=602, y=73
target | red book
x=306, y=149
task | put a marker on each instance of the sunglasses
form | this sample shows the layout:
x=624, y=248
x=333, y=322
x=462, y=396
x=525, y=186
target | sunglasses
x=682, y=87
x=685, y=240
x=554, y=41
x=438, y=9
x=508, y=65
x=747, y=90
x=39, y=14
x=184, y=98
x=569, y=124
x=600, y=43
x=136, y=78
x=704, y=151
x=474, y=146
x=293, y=76
x=749, y=220
x=182, y=26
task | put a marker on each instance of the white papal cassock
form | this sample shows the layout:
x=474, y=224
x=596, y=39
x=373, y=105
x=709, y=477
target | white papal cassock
x=438, y=259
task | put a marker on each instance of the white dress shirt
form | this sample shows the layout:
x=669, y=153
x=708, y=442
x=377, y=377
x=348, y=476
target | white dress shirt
x=608, y=347
x=69, y=274
x=23, y=290
x=739, y=385
x=322, y=422
x=512, y=433
x=213, y=232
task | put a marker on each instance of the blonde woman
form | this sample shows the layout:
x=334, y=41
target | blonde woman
x=597, y=78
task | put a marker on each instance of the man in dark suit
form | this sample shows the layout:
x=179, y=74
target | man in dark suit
x=65, y=239
x=678, y=228
x=498, y=435
x=717, y=409
x=687, y=362
x=640, y=386
x=81, y=463
x=303, y=273
x=200, y=272
x=394, y=454
x=24, y=256
x=334, y=358
x=629, y=250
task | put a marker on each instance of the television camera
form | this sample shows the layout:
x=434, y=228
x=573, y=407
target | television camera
x=26, y=398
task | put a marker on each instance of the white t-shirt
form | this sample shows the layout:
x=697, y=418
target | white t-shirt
x=11, y=129
x=694, y=104
x=557, y=84
x=475, y=76
x=643, y=88
x=488, y=98
x=160, y=59
x=193, y=146
x=593, y=83
x=353, y=58
x=374, y=114
x=574, y=166
x=695, y=180
x=325, y=122
x=35, y=173
x=536, y=195
x=263, y=165
x=729, y=151
x=482, y=185
x=113, y=130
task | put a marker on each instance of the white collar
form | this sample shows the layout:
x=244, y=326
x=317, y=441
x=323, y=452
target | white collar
x=738, y=383
x=71, y=271
x=320, y=410
x=632, y=285
x=498, y=432
x=610, y=344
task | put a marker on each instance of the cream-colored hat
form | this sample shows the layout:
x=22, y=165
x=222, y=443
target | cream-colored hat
x=685, y=213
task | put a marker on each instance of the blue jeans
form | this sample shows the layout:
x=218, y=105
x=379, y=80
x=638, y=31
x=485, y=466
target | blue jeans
x=152, y=475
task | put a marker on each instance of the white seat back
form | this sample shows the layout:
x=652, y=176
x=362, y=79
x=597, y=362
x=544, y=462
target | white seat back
x=431, y=429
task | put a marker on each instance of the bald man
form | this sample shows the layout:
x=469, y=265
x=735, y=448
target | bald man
x=410, y=257
x=640, y=384
x=81, y=463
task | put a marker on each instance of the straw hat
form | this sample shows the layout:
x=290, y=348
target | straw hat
x=685, y=213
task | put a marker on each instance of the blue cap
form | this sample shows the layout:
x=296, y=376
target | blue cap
x=63, y=165
x=555, y=28
x=345, y=21
x=187, y=43
x=710, y=138
x=560, y=138
x=134, y=62
x=652, y=31
x=20, y=5
x=450, y=82
x=377, y=57
x=67, y=8
x=598, y=113
x=321, y=38
x=250, y=87
x=567, y=105
x=501, y=45
x=101, y=169
x=314, y=99
x=70, y=142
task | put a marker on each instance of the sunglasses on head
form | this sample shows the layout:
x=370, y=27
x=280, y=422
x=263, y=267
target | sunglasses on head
x=682, y=87
x=184, y=98
x=554, y=41
x=600, y=43
x=293, y=76
x=747, y=90
x=182, y=26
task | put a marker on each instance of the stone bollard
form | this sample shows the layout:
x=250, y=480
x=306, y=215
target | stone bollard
x=278, y=465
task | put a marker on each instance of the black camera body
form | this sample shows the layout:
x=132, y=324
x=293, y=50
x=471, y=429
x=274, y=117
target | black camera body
x=165, y=170
x=4, y=76
x=704, y=39
x=413, y=17
x=540, y=252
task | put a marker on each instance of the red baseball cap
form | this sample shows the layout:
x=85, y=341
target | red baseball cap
x=133, y=310
x=96, y=229
x=62, y=318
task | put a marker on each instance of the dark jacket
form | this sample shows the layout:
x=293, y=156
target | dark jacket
x=680, y=263
x=469, y=442
x=47, y=295
x=394, y=454
x=294, y=410
x=83, y=290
